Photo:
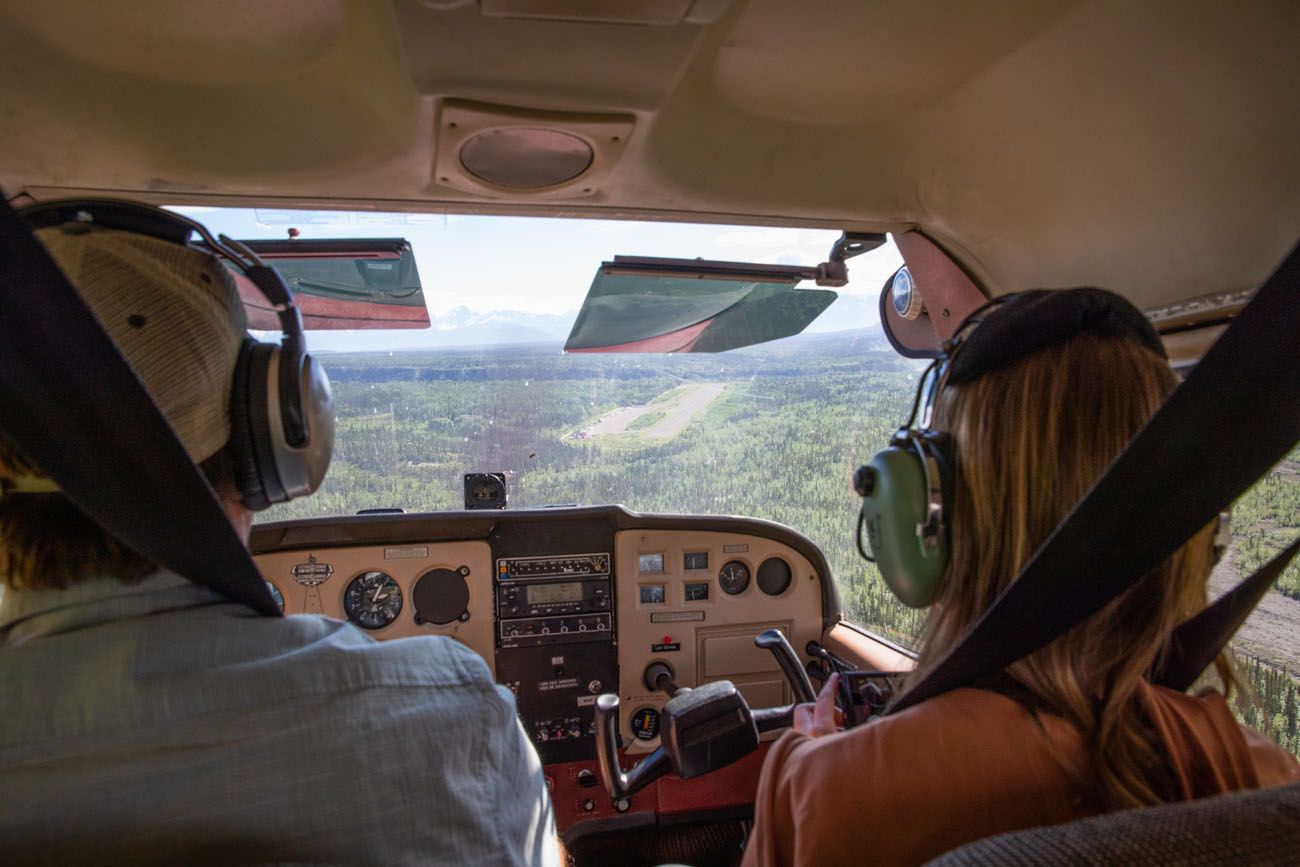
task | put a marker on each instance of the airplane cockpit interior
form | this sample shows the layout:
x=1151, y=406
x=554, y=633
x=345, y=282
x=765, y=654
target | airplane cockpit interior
x=604, y=309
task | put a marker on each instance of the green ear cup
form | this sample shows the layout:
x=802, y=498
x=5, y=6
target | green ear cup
x=893, y=510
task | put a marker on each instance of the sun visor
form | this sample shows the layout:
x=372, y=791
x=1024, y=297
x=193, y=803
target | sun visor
x=340, y=284
x=643, y=304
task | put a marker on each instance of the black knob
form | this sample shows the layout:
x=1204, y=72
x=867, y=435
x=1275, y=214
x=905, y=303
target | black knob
x=657, y=675
x=586, y=778
x=864, y=481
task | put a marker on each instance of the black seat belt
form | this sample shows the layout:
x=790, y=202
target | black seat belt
x=72, y=404
x=1196, y=642
x=1226, y=425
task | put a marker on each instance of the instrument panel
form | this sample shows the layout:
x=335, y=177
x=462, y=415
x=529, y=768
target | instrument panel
x=679, y=606
x=565, y=604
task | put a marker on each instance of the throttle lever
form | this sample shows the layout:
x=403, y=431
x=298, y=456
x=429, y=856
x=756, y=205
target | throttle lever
x=775, y=641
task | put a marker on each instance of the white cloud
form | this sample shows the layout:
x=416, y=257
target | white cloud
x=755, y=239
x=616, y=227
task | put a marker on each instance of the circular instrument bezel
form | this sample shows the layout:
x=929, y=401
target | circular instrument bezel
x=441, y=596
x=775, y=576
x=645, y=711
x=726, y=583
x=386, y=617
x=276, y=594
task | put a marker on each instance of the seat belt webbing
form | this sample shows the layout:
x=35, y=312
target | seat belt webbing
x=1197, y=641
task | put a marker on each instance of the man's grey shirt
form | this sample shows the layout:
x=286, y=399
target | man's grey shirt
x=160, y=722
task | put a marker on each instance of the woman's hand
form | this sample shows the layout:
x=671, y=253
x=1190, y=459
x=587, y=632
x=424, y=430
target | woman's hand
x=821, y=718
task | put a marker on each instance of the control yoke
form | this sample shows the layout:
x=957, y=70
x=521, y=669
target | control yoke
x=703, y=729
x=775, y=641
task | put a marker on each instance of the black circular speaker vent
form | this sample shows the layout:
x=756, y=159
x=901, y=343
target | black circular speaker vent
x=441, y=596
x=774, y=576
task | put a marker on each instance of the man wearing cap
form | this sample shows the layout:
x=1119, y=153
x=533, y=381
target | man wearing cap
x=149, y=719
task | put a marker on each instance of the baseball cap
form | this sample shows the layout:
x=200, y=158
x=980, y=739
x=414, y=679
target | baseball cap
x=173, y=312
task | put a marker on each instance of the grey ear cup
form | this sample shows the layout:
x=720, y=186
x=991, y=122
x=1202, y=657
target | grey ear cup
x=303, y=458
x=282, y=424
x=281, y=411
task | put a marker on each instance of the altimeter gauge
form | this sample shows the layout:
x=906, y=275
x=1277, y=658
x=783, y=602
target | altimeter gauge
x=373, y=600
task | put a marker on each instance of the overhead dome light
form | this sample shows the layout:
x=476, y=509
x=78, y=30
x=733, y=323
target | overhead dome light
x=525, y=158
x=507, y=152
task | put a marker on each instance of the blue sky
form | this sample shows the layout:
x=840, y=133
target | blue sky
x=545, y=265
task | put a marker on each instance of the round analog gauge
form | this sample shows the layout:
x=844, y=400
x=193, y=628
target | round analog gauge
x=774, y=576
x=733, y=577
x=373, y=600
x=276, y=594
x=645, y=724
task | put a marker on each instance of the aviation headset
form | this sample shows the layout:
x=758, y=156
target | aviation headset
x=281, y=410
x=907, y=488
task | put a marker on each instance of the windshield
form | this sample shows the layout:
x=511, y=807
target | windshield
x=770, y=431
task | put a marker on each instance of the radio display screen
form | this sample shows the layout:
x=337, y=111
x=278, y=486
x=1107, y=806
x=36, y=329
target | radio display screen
x=547, y=594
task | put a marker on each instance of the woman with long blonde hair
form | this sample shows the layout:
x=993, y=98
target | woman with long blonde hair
x=1047, y=391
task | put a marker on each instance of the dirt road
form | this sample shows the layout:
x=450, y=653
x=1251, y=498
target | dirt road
x=679, y=410
x=696, y=399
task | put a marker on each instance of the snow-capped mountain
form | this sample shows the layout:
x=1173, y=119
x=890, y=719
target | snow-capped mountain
x=459, y=326
x=462, y=326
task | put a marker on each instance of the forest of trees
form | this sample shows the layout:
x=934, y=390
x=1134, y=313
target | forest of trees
x=1266, y=520
x=781, y=443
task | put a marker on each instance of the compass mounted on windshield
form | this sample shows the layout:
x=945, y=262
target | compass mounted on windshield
x=485, y=491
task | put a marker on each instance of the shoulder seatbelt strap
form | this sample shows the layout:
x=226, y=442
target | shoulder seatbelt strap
x=70, y=402
x=1227, y=424
x=1196, y=642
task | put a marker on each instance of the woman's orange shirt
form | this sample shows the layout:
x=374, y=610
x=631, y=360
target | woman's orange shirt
x=970, y=764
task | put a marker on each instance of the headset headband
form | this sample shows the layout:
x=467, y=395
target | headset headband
x=176, y=228
x=906, y=489
x=1011, y=326
x=1015, y=325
